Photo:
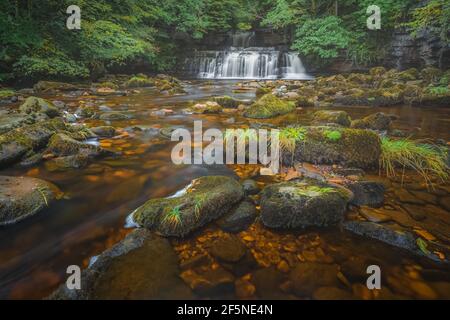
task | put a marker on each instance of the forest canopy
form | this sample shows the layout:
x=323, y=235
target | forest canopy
x=35, y=41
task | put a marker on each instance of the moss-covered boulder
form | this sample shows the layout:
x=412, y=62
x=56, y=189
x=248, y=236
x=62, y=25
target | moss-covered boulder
x=19, y=142
x=39, y=105
x=204, y=200
x=302, y=203
x=21, y=197
x=334, y=145
x=377, y=121
x=330, y=116
x=377, y=71
x=269, y=106
x=228, y=102
x=12, y=121
x=61, y=144
x=139, y=81
x=76, y=161
x=53, y=86
x=7, y=94
x=104, y=131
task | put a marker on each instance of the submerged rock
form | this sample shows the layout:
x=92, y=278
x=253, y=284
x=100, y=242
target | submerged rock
x=302, y=203
x=142, y=266
x=104, y=131
x=368, y=193
x=21, y=197
x=207, y=107
x=397, y=238
x=239, y=218
x=114, y=116
x=307, y=277
x=204, y=200
x=269, y=106
x=330, y=116
x=39, y=105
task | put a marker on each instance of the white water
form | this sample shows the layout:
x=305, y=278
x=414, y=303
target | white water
x=243, y=62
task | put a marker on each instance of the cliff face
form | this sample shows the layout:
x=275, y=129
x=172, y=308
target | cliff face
x=426, y=49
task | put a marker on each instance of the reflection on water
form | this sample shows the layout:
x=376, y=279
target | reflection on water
x=35, y=253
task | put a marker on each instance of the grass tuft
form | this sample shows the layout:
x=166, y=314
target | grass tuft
x=427, y=160
x=173, y=218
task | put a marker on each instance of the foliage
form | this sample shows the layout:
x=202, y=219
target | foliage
x=289, y=137
x=427, y=160
x=321, y=38
x=173, y=217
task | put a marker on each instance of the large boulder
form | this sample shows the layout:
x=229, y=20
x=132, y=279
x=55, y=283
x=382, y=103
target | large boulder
x=332, y=145
x=302, y=203
x=21, y=197
x=142, y=266
x=39, y=105
x=12, y=121
x=269, y=106
x=204, y=200
x=324, y=117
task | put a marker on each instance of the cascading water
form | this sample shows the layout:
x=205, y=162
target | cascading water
x=240, y=61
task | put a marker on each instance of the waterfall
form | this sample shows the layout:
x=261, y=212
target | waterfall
x=241, y=61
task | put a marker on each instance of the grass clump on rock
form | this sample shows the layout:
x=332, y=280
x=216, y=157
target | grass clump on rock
x=427, y=160
x=204, y=200
x=269, y=106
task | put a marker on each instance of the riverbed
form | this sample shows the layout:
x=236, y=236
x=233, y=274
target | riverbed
x=91, y=217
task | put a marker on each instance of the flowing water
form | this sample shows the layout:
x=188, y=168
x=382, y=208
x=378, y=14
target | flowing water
x=35, y=253
x=244, y=60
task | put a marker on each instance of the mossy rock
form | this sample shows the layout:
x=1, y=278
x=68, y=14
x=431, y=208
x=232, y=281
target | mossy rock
x=21, y=197
x=377, y=71
x=334, y=145
x=302, y=203
x=18, y=142
x=106, y=84
x=7, y=94
x=228, y=102
x=104, y=131
x=377, y=121
x=61, y=144
x=331, y=116
x=430, y=74
x=262, y=91
x=9, y=122
x=359, y=78
x=139, y=81
x=85, y=111
x=269, y=106
x=204, y=200
x=76, y=161
x=114, y=116
x=408, y=75
x=39, y=105
x=51, y=86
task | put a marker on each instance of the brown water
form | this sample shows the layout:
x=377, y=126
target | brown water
x=35, y=253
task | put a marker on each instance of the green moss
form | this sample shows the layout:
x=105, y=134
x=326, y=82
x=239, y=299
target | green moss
x=6, y=93
x=332, y=135
x=226, y=101
x=355, y=147
x=331, y=116
x=289, y=137
x=269, y=106
x=139, y=81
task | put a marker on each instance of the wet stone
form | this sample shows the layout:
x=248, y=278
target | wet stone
x=209, y=283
